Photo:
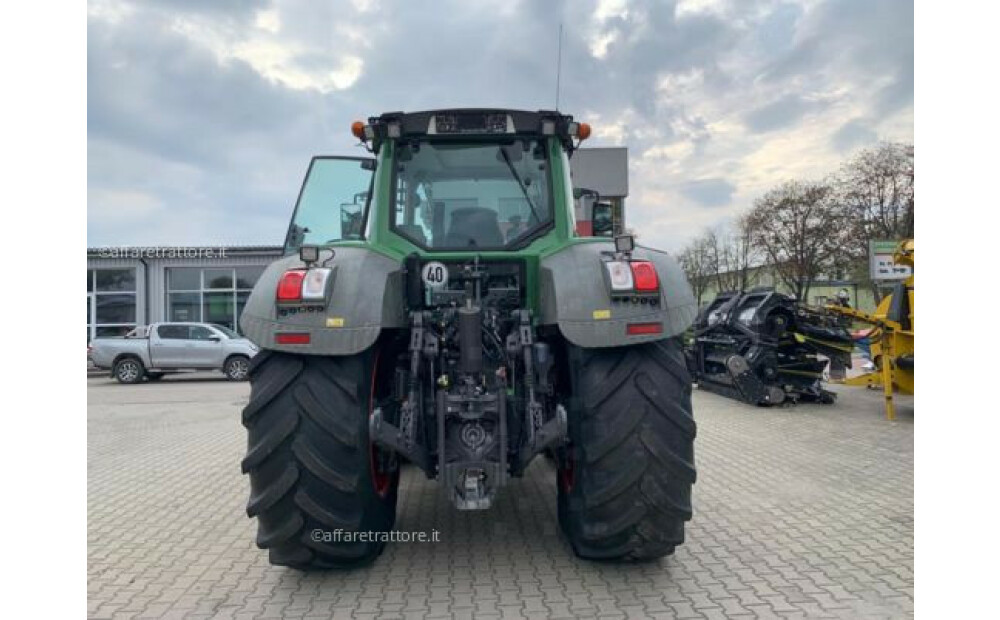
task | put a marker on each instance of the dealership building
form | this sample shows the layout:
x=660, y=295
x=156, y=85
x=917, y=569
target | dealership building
x=138, y=286
x=130, y=286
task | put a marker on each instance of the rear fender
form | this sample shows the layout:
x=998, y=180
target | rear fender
x=575, y=297
x=366, y=297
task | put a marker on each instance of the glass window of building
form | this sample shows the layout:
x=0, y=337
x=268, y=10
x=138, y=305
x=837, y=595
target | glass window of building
x=210, y=294
x=111, y=302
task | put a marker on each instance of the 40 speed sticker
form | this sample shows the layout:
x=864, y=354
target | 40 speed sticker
x=434, y=274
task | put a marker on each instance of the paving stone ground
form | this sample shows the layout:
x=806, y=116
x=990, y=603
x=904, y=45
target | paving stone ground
x=803, y=511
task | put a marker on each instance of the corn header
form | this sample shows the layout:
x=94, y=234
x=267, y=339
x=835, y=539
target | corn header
x=765, y=348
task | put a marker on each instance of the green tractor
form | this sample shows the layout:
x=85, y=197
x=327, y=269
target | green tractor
x=437, y=307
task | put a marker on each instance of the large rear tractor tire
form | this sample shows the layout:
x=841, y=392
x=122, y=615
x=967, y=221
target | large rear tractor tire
x=625, y=479
x=315, y=480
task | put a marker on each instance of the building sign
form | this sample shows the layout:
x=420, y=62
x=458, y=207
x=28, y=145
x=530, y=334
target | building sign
x=882, y=266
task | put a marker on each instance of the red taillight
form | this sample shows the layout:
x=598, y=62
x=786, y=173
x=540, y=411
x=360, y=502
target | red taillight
x=642, y=329
x=290, y=285
x=292, y=338
x=645, y=277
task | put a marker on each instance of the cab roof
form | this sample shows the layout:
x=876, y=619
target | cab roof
x=463, y=123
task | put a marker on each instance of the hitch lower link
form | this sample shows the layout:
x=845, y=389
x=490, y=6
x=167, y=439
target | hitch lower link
x=402, y=439
x=541, y=435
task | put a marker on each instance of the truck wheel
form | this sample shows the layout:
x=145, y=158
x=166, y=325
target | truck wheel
x=625, y=479
x=315, y=481
x=129, y=370
x=237, y=368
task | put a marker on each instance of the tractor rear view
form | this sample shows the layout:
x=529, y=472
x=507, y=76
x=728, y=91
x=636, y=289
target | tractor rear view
x=437, y=306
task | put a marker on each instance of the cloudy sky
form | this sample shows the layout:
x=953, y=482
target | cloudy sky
x=202, y=116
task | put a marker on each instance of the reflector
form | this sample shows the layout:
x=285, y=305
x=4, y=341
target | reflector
x=292, y=338
x=640, y=329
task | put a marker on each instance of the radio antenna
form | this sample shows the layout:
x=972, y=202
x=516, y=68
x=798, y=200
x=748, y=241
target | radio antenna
x=559, y=65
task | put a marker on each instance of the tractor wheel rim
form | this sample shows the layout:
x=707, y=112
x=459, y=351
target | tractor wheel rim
x=381, y=480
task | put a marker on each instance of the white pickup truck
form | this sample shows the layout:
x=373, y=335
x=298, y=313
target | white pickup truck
x=150, y=352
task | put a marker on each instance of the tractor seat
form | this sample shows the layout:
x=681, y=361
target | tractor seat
x=474, y=227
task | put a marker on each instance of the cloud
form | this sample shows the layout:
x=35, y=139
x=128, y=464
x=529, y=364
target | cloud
x=708, y=192
x=202, y=116
x=779, y=114
x=851, y=134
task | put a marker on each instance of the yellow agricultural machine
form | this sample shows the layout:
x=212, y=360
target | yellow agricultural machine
x=891, y=337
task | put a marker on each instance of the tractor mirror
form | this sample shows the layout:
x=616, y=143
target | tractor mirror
x=351, y=220
x=601, y=219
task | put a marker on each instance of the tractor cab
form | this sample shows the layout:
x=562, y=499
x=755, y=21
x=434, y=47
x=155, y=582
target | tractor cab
x=449, y=180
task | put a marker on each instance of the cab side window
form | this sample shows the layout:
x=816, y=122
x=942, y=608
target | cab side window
x=172, y=332
x=199, y=332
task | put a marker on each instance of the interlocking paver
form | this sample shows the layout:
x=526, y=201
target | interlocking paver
x=800, y=512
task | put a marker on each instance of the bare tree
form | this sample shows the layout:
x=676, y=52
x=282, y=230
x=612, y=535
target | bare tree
x=714, y=248
x=724, y=255
x=735, y=256
x=696, y=261
x=876, y=185
x=801, y=231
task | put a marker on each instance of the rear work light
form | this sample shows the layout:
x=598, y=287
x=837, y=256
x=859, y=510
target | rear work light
x=292, y=338
x=304, y=285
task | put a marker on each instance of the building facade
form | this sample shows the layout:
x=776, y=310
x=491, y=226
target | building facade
x=138, y=286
